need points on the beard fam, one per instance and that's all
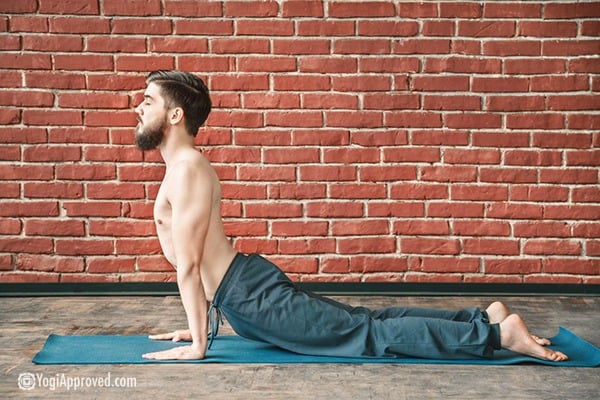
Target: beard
(150, 137)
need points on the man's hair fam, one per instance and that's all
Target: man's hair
(182, 89)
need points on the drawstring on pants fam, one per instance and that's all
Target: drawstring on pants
(215, 318)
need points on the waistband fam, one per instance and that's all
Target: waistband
(215, 316)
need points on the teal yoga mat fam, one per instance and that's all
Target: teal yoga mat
(236, 350)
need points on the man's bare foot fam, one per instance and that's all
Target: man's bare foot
(514, 336)
(498, 312)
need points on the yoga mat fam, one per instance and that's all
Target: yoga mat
(234, 349)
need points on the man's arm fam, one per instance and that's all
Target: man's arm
(190, 196)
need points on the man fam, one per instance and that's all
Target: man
(257, 299)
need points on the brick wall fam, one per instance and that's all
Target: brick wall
(357, 141)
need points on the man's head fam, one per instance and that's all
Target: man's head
(171, 94)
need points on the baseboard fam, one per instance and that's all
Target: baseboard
(326, 288)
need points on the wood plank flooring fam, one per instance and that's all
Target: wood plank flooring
(26, 322)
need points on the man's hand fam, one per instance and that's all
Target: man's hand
(176, 353)
(175, 336)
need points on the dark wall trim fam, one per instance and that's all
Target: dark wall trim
(329, 288)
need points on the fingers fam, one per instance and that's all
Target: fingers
(163, 336)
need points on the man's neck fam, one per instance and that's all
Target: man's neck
(174, 143)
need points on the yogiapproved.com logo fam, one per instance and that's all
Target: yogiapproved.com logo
(26, 381)
(29, 381)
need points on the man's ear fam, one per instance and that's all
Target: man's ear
(176, 115)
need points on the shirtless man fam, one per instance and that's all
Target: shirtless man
(190, 231)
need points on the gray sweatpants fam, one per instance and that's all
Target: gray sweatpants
(261, 303)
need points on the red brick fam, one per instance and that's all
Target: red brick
(371, 9)
(512, 266)
(420, 227)
(583, 157)
(561, 140)
(422, 191)
(241, 9)
(107, 265)
(299, 228)
(486, 28)
(548, 28)
(54, 227)
(305, 119)
(111, 191)
(192, 8)
(28, 98)
(147, 26)
(387, 28)
(144, 63)
(533, 157)
(86, 62)
(421, 46)
(24, 6)
(119, 228)
(449, 174)
(479, 192)
(580, 176)
(132, 7)
(490, 246)
(387, 173)
(515, 103)
(512, 10)
(325, 209)
(551, 247)
(438, 28)
(512, 48)
(514, 211)
(79, 25)
(541, 66)
(570, 10)
(325, 28)
(416, 10)
(26, 172)
(586, 195)
(26, 245)
(413, 119)
(267, 173)
(480, 228)
(471, 156)
(137, 246)
(357, 191)
(115, 44)
(460, 9)
(88, 7)
(285, 156)
(455, 210)
(561, 265)
(62, 43)
(327, 173)
(92, 209)
(539, 193)
(429, 246)
(53, 190)
(505, 174)
(297, 191)
(56, 80)
(48, 263)
(570, 47)
(25, 61)
(302, 9)
(376, 245)
(535, 121)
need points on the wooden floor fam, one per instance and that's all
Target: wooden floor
(26, 322)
